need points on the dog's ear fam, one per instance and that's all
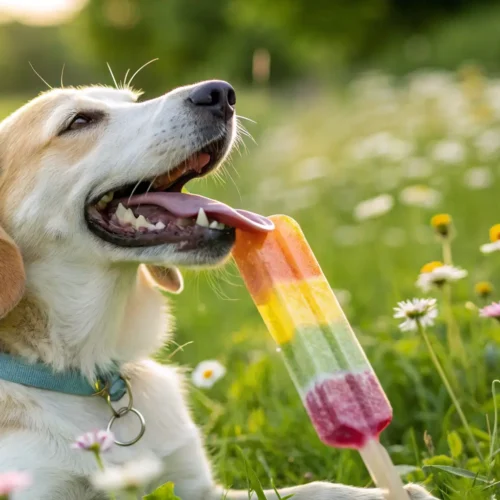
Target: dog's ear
(12, 275)
(168, 279)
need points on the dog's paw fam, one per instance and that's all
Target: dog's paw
(416, 492)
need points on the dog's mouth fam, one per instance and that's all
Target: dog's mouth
(156, 211)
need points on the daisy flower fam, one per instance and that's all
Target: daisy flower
(438, 274)
(207, 373)
(442, 224)
(374, 207)
(96, 441)
(495, 240)
(415, 311)
(449, 151)
(13, 481)
(420, 196)
(491, 311)
(129, 476)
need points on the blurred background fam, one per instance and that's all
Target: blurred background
(362, 120)
(249, 42)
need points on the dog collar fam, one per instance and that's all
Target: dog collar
(16, 369)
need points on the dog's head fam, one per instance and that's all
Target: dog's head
(93, 174)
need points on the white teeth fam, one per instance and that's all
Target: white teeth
(141, 222)
(160, 225)
(129, 217)
(120, 212)
(217, 225)
(202, 219)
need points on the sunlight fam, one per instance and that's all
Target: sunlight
(39, 12)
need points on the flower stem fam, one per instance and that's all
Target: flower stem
(450, 390)
(446, 244)
(453, 337)
(98, 459)
(100, 464)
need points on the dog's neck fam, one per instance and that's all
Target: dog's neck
(85, 316)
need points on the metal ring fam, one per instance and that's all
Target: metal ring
(122, 411)
(119, 413)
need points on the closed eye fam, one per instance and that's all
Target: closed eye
(82, 120)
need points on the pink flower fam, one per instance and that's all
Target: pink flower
(13, 481)
(491, 311)
(95, 441)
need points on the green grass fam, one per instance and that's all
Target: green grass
(255, 407)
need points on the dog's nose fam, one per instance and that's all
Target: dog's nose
(217, 96)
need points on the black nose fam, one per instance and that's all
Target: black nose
(217, 96)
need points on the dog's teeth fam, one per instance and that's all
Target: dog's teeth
(105, 200)
(108, 197)
(221, 226)
(141, 222)
(120, 212)
(129, 217)
(214, 225)
(160, 226)
(202, 219)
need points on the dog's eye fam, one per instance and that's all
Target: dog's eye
(79, 121)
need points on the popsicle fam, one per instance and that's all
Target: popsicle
(335, 380)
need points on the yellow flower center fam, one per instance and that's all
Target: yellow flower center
(483, 288)
(430, 266)
(208, 374)
(495, 233)
(441, 220)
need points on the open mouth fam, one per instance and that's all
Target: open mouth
(155, 211)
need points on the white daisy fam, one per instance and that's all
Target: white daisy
(415, 311)
(449, 151)
(478, 178)
(420, 196)
(437, 274)
(374, 207)
(131, 475)
(490, 247)
(207, 373)
(494, 246)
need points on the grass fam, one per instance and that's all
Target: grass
(318, 155)
(312, 161)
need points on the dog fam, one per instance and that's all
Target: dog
(93, 224)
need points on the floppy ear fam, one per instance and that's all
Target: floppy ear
(168, 279)
(12, 276)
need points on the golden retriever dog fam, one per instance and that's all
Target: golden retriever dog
(93, 222)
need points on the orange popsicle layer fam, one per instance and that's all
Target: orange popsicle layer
(266, 262)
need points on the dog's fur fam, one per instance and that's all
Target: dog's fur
(74, 301)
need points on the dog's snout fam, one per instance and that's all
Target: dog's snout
(217, 96)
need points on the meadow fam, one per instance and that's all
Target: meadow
(363, 168)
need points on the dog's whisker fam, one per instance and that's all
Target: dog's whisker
(40, 76)
(125, 78)
(241, 117)
(139, 70)
(112, 75)
(62, 75)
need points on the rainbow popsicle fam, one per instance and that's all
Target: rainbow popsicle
(335, 380)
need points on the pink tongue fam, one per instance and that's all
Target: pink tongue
(188, 205)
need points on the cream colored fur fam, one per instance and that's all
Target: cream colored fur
(87, 303)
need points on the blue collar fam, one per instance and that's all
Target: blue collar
(16, 369)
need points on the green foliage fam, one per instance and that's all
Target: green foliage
(165, 492)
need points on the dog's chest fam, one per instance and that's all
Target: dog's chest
(58, 419)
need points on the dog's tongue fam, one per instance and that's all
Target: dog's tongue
(188, 205)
